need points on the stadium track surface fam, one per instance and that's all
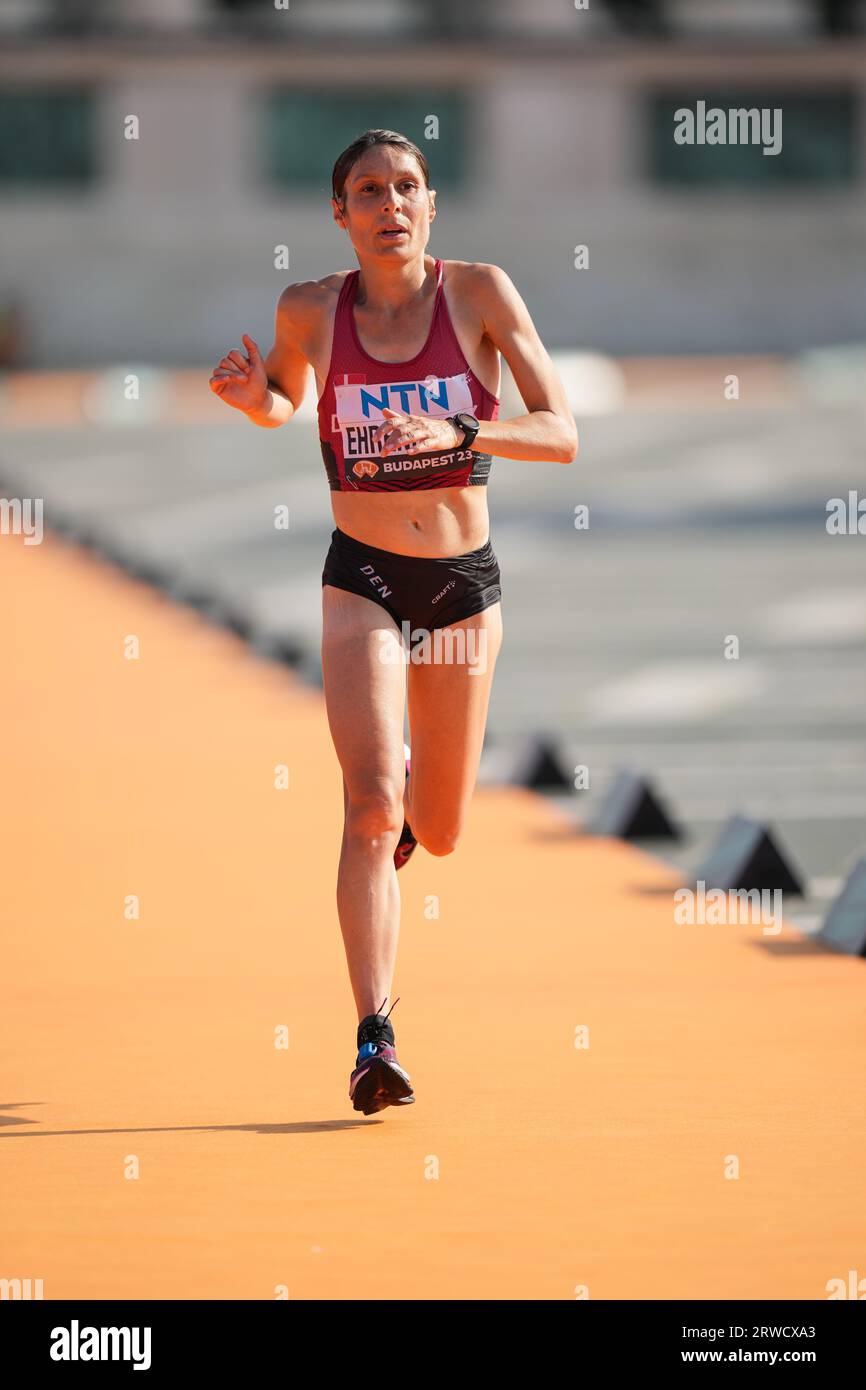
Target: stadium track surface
(557, 1167)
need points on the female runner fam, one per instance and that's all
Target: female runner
(405, 352)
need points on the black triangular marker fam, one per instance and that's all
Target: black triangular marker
(746, 856)
(845, 925)
(630, 810)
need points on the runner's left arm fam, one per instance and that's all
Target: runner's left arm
(548, 430)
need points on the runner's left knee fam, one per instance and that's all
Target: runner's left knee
(436, 840)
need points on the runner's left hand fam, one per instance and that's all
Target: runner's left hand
(415, 433)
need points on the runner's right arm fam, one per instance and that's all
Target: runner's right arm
(268, 392)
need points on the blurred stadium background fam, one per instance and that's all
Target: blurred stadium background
(707, 515)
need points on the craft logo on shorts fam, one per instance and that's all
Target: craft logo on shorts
(359, 406)
(452, 584)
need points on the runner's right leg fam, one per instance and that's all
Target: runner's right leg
(365, 700)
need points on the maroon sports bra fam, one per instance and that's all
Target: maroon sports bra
(438, 381)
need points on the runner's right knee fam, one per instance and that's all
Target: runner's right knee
(376, 814)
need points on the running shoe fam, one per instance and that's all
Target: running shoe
(407, 843)
(378, 1079)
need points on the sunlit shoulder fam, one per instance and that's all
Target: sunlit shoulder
(479, 278)
(491, 291)
(304, 299)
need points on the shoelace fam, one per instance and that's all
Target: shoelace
(378, 1036)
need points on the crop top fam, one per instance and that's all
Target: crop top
(438, 381)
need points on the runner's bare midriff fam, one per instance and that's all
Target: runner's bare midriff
(439, 521)
(426, 522)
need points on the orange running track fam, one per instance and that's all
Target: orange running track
(527, 1169)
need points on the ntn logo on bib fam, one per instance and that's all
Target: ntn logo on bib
(359, 405)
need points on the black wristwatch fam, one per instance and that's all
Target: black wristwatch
(468, 424)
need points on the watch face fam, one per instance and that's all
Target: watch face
(468, 421)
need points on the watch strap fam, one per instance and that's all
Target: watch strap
(469, 432)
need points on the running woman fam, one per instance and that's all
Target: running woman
(405, 351)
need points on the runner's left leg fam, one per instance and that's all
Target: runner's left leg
(448, 700)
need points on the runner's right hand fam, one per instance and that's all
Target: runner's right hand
(239, 379)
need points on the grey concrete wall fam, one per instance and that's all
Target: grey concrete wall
(171, 255)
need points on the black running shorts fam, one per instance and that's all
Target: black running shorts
(424, 592)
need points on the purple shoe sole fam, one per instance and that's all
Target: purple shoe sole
(407, 844)
(378, 1083)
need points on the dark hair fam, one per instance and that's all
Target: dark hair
(352, 153)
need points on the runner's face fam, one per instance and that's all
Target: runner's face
(385, 189)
